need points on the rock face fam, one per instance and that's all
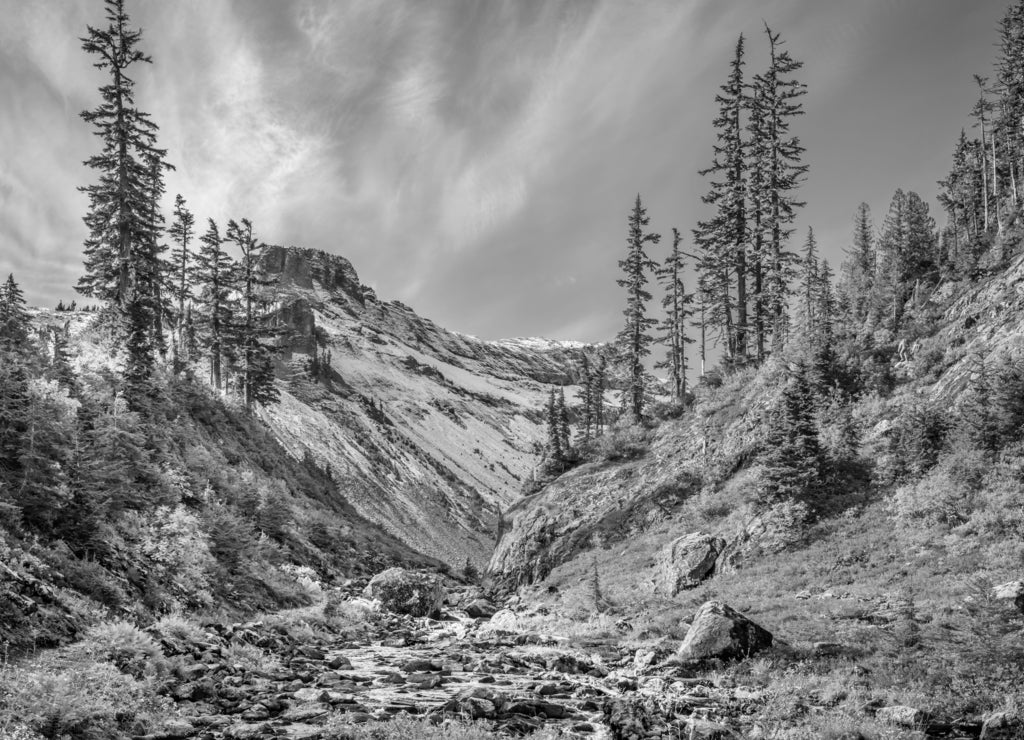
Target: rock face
(686, 561)
(404, 592)
(719, 631)
(428, 432)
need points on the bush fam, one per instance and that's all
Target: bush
(623, 443)
(250, 658)
(77, 700)
(126, 646)
(92, 579)
(179, 629)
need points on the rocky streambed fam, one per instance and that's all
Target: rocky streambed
(457, 666)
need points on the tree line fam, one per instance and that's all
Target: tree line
(214, 307)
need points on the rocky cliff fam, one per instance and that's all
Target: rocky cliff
(429, 432)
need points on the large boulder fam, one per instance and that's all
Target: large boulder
(719, 631)
(404, 592)
(686, 561)
(1011, 593)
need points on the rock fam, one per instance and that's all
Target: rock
(901, 715)
(420, 665)
(504, 620)
(405, 592)
(339, 663)
(245, 731)
(1002, 726)
(702, 729)
(643, 659)
(480, 609)
(719, 631)
(823, 649)
(686, 561)
(256, 713)
(1012, 593)
(173, 729)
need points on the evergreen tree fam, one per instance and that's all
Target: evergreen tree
(676, 303)
(215, 278)
(563, 431)
(791, 458)
(775, 102)
(859, 266)
(586, 400)
(634, 340)
(121, 253)
(809, 289)
(979, 416)
(182, 231)
(14, 318)
(723, 240)
(597, 395)
(554, 448)
(252, 327)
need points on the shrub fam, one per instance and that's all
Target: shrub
(403, 727)
(623, 443)
(171, 537)
(77, 700)
(93, 580)
(179, 629)
(250, 658)
(126, 646)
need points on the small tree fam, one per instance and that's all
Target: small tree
(791, 458)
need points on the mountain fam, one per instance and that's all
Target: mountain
(429, 432)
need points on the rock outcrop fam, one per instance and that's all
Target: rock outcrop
(686, 561)
(719, 631)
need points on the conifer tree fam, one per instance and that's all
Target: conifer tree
(215, 278)
(564, 432)
(676, 303)
(723, 240)
(979, 417)
(859, 266)
(182, 231)
(121, 251)
(253, 323)
(554, 449)
(586, 399)
(14, 318)
(775, 102)
(791, 458)
(809, 288)
(634, 340)
(597, 395)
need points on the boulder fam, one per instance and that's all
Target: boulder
(686, 561)
(1002, 726)
(1011, 593)
(480, 609)
(719, 631)
(404, 592)
(901, 715)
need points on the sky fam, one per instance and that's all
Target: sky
(476, 160)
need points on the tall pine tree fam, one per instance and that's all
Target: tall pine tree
(723, 240)
(121, 251)
(215, 279)
(634, 340)
(252, 327)
(676, 303)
